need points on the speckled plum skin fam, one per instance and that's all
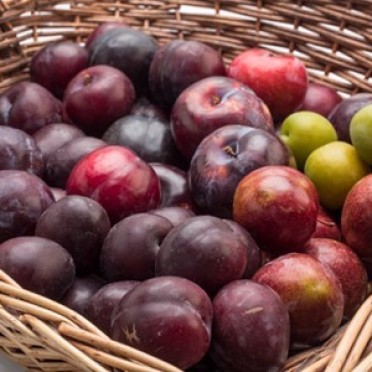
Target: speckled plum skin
(278, 205)
(250, 328)
(168, 317)
(347, 266)
(356, 219)
(223, 158)
(211, 103)
(118, 179)
(202, 242)
(311, 292)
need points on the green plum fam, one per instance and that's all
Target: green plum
(334, 168)
(361, 133)
(305, 131)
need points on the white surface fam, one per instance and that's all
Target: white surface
(8, 366)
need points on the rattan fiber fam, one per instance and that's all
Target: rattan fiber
(333, 38)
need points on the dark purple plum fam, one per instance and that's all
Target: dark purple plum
(130, 248)
(55, 64)
(59, 164)
(80, 225)
(96, 97)
(102, 29)
(178, 64)
(151, 139)
(206, 250)
(212, 103)
(19, 151)
(38, 264)
(29, 106)
(101, 305)
(129, 50)
(23, 198)
(144, 107)
(53, 136)
(175, 191)
(250, 328)
(168, 317)
(175, 215)
(81, 291)
(224, 157)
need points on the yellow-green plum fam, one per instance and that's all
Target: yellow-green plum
(361, 133)
(334, 168)
(304, 132)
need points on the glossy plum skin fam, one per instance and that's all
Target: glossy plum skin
(175, 215)
(326, 226)
(250, 328)
(342, 114)
(130, 248)
(53, 136)
(223, 158)
(205, 242)
(80, 225)
(96, 97)
(102, 29)
(19, 151)
(175, 190)
(101, 305)
(130, 51)
(81, 291)
(348, 268)
(54, 65)
(38, 264)
(168, 317)
(23, 198)
(151, 139)
(280, 197)
(29, 106)
(61, 162)
(311, 292)
(177, 65)
(212, 103)
(144, 107)
(117, 179)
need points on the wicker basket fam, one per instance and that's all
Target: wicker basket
(333, 38)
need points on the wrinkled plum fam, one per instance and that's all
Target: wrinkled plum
(80, 225)
(131, 246)
(38, 264)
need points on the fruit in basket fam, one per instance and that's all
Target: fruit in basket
(168, 317)
(311, 292)
(29, 106)
(334, 168)
(206, 250)
(144, 107)
(224, 157)
(61, 162)
(280, 80)
(131, 246)
(278, 205)
(118, 179)
(320, 98)
(178, 64)
(250, 328)
(212, 103)
(101, 29)
(38, 264)
(175, 215)
(348, 268)
(304, 132)
(55, 64)
(80, 225)
(342, 114)
(81, 291)
(326, 226)
(18, 150)
(96, 97)
(101, 305)
(360, 133)
(23, 198)
(58, 193)
(151, 139)
(356, 219)
(130, 51)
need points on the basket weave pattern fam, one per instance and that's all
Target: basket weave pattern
(333, 38)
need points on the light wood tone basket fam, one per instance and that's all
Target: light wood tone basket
(333, 38)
